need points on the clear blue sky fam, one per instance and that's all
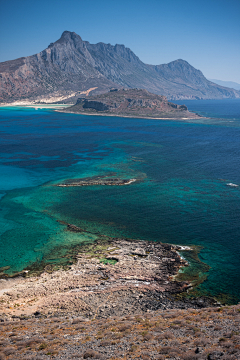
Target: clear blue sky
(206, 33)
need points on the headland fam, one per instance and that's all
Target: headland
(132, 103)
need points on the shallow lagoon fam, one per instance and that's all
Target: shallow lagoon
(181, 198)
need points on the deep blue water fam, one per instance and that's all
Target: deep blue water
(182, 197)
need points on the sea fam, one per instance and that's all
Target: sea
(187, 190)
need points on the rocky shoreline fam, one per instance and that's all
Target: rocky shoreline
(120, 300)
(111, 277)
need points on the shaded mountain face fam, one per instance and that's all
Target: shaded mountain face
(71, 67)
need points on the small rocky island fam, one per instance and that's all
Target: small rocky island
(98, 180)
(137, 103)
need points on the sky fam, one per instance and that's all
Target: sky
(206, 33)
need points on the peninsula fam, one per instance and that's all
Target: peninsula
(136, 103)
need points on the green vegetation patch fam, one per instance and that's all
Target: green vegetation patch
(106, 261)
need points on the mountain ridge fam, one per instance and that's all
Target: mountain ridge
(71, 66)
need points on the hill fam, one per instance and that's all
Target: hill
(136, 103)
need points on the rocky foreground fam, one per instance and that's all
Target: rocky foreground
(136, 103)
(118, 301)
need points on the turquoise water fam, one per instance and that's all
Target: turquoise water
(181, 196)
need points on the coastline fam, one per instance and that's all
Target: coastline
(60, 107)
(36, 106)
(135, 117)
(127, 274)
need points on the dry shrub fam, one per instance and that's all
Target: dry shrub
(147, 337)
(168, 335)
(201, 342)
(190, 355)
(160, 337)
(197, 333)
(236, 338)
(173, 326)
(227, 344)
(232, 312)
(51, 352)
(124, 327)
(199, 318)
(80, 328)
(175, 354)
(166, 349)
(170, 316)
(55, 320)
(91, 354)
(215, 355)
(158, 329)
(77, 321)
(133, 348)
(18, 338)
(174, 343)
(4, 343)
(42, 346)
(105, 343)
(2, 356)
(9, 351)
(145, 357)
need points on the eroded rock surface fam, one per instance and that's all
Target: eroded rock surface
(110, 277)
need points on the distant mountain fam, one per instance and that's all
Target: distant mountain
(230, 84)
(71, 67)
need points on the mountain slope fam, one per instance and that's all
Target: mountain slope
(71, 66)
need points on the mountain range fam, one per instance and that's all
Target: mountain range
(231, 84)
(71, 67)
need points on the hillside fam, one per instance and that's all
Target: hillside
(71, 66)
(131, 103)
(120, 300)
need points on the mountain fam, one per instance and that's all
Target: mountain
(71, 67)
(230, 84)
(138, 103)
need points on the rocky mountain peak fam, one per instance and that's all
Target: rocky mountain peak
(71, 65)
(69, 37)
